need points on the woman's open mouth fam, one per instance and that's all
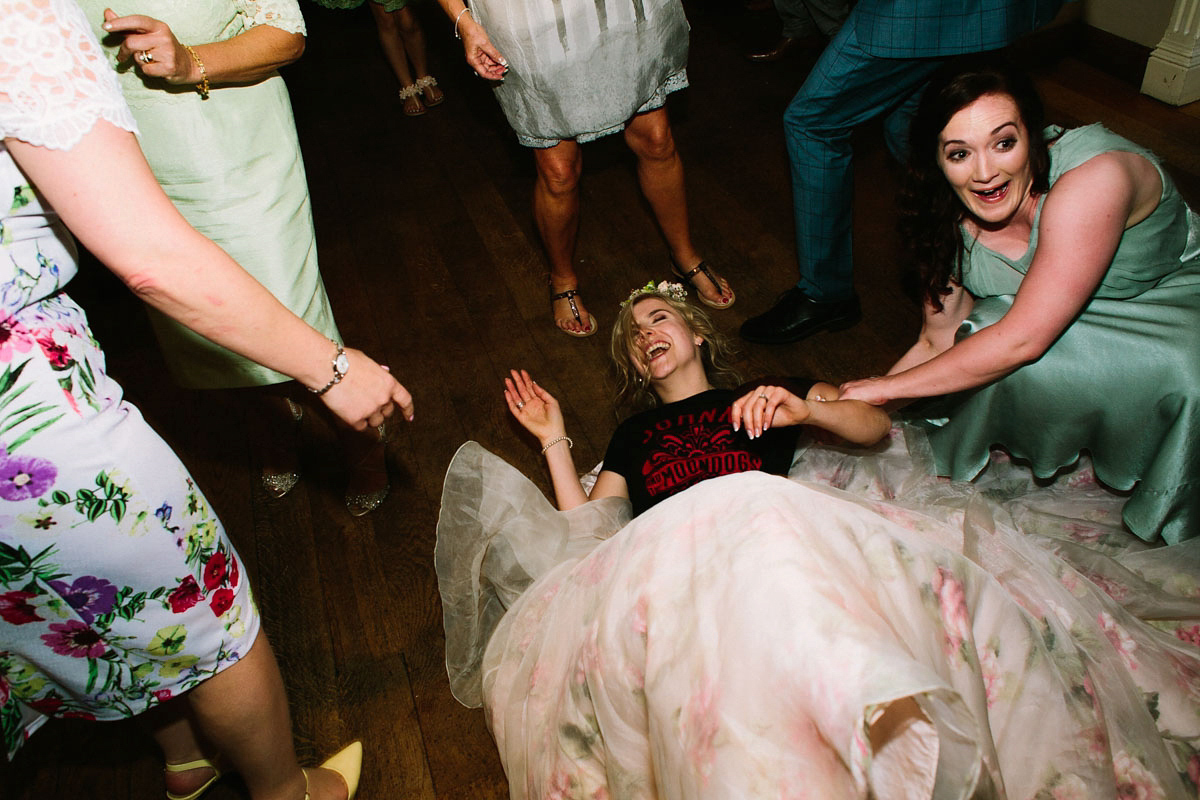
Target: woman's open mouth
(993, 195)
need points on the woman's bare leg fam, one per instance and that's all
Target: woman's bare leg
(243, 711)
(388, 26)
(174, 728)
(660, 173)
(414, 45)
(556, 211)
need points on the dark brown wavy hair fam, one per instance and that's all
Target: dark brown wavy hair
(930, 211)
(633, 390)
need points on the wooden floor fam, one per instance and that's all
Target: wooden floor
(433, 266)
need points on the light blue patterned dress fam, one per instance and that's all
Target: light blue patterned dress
(118, 586)
(579, 69)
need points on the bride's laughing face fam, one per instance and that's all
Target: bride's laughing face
(662, 340)
(984, 153)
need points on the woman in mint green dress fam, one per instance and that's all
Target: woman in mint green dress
(216, 126)
(1062, 311)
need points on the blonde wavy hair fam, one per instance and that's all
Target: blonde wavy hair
(633, 390)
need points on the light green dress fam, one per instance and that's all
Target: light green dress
(232, 166)
(1122, 382)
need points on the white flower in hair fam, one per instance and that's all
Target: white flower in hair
(675, 291)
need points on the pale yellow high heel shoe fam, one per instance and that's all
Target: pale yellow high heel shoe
(191, 765)
(347, 763)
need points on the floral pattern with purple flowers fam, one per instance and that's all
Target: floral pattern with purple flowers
(24, 477)
(128, 647)
(118, 587)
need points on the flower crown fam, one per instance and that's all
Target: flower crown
(675, 291)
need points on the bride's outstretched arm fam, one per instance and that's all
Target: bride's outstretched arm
(539, 413)
(765, 407)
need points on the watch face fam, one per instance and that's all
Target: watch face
(341, 364)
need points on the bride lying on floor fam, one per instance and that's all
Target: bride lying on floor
(855, 629)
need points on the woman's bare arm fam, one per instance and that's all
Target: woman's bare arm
(105, 193)
(250, 56)
(765, 407)
(1082, 221)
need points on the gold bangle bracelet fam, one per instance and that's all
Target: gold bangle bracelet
(202, 86)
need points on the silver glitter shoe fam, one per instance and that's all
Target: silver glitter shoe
(279, 484)
(362, 503)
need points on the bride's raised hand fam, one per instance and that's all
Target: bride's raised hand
(534, 407)
(764, 407)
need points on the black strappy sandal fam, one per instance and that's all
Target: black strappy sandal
(569, 296)
(689, 278)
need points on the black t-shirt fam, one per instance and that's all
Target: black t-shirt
(665, 450)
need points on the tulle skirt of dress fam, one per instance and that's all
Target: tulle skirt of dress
(857, 630)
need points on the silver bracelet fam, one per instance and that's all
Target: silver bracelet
(341, 365)
(552, 442)
(456, 19)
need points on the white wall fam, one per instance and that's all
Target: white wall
(1141, 21)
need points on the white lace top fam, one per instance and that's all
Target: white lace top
(282, 14)
(54, 84)
(55, 81)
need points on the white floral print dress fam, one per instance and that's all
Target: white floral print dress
(118, 586)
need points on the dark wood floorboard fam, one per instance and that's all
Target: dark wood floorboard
(433, 265)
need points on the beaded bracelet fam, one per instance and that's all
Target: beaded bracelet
(202, 86)
(456, 19)
(552, 442)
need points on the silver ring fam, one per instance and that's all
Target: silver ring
(763, 396)
(145, 56)
(520, 405)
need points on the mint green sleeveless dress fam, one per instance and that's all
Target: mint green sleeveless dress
(233, 168)
(1122, 382)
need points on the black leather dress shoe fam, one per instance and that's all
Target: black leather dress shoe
(775, 53)
(795, 316)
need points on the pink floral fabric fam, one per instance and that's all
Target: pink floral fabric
(859, 630)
